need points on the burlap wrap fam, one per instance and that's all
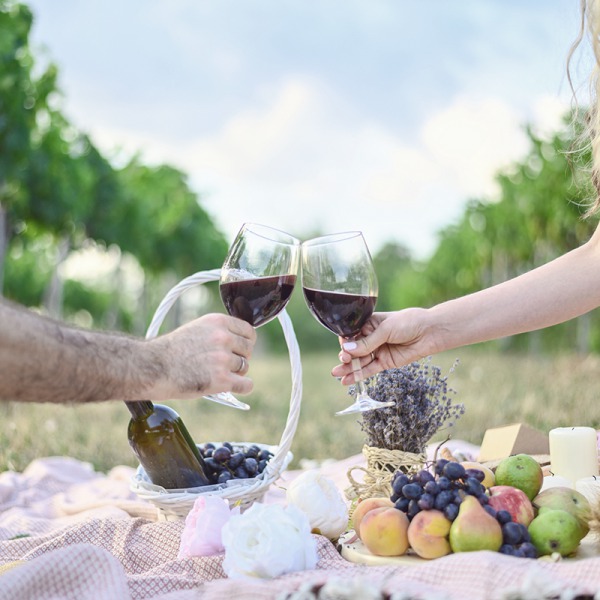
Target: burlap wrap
(382, 465)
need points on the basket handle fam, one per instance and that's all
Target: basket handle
(292, 343)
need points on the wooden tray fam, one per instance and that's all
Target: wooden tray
(356, 552)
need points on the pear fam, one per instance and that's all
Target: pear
(555, 530)
(570, 500)
(474, 528)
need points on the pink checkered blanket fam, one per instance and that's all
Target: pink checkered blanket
(69, 532)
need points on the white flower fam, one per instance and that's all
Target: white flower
(267, 541)
(319, 498)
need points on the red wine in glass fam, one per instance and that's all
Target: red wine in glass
(257, 301)
(340, 289)
(343, 314)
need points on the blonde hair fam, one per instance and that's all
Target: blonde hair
(590, 25)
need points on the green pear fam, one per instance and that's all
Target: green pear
(474, 528)
(569, 500)
(555, 530)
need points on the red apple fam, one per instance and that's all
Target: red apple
(516, 502)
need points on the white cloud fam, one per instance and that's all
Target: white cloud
(300, 163)
(471, 140)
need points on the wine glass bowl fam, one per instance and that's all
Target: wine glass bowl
(259, 273)
(340, 288)
(257, 280)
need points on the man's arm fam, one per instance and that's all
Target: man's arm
(42, 360)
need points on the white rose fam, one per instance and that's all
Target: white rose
(267, 541)
(318, 497)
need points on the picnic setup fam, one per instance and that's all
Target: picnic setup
(515, 517)
(299, 301)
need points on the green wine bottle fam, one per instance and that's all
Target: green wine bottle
(164, 446)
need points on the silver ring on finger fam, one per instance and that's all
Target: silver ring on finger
(373, 357)
(243, 365)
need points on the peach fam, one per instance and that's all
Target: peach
(364, 506)
(384, 530)
(428, 534)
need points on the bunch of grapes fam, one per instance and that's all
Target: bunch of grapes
(227, 461)
(444, 490)
(515, 536)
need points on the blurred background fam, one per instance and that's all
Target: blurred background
(136, 138)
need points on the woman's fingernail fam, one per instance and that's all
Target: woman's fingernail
(349, 345)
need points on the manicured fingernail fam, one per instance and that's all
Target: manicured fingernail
(349, 345)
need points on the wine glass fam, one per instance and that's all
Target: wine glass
(257, 280)
(340, 289)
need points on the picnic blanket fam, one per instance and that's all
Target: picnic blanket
(67, 531)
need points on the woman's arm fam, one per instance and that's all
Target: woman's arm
(560, 290)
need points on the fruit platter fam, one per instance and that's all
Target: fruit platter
(450, 506)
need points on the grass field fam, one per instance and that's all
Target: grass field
(497, 389)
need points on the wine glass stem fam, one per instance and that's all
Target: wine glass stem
(358, 378)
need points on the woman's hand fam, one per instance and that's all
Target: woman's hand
(389, 340)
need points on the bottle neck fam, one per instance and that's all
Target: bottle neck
(140, 409)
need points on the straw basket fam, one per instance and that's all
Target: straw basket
(175, 504)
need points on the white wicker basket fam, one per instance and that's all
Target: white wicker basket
(175, 504)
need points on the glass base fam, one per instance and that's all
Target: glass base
(228, 399)
(363, 404)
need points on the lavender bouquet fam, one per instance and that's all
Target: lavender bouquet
(423, 407)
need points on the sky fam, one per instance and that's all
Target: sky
(384, 116)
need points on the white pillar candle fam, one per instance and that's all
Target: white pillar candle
(573, 452)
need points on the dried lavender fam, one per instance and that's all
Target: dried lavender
(423, 407)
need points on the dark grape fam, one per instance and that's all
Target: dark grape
(431, 487)
(212, 465)
(424, 476)
(251, 466)
(413, 509)
(473, 487)
(439, 465)
(224, 476)
(503, 516)
(241, 473)
(262, 464)
(444, 483)
(525, 537)
(453, 471)
(237, 458)
(400, 480)
(451, 512)
(512, 533)
(264, 455)
(483, 499)
(476, 473)
(228, 445)
(426, 501)
(402, 504)
(529, 550)
(252, 452)
(444, 498)
(412, 491)
(507, 549)
(222, 454)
